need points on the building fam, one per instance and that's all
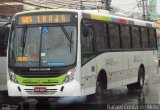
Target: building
(10, 7)
(157, 24)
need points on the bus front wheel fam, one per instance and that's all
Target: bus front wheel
(99, 91)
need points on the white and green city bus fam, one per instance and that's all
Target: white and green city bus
(78, 52)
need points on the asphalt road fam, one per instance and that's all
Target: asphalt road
(119, 98)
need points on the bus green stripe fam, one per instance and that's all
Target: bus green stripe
(97, 67)
(41, 81)
(106, 18)
(99, 17)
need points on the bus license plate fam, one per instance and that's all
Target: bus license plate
(40, 89)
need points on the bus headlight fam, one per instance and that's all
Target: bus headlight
(12, 76)
(70, 75)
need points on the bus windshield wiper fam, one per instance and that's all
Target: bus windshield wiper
(67, 35)
(71, 41)
(23, 39)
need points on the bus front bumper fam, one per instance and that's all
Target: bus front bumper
(68, 89)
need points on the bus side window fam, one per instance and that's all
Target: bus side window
(114, 36)
(144, 35)
(152, 38)
(136, 37)
(125, 33)
(101, 36)
(87, 49)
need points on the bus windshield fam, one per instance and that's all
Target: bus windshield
(43, 46)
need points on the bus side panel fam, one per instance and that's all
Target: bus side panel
(146, 62)
(128, 64)
(3, 79)
(113, 68)
(153, 63)
(88, 75)
(111, 63)
(131, 63)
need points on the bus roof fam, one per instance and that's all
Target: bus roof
(102, 15)
(106, 16)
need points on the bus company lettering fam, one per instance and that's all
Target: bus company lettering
(111, 61)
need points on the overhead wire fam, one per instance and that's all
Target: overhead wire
(127, 8)
(66, 3)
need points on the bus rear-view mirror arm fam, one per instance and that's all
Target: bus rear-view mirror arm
(6, 24)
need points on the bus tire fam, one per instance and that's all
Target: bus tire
(141, 78)
(131, 87)
(99, 95)
(99, 91)
(140, 83)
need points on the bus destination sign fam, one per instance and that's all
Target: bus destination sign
(43, 19)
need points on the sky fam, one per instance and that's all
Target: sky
(158, 6)
(125, 5)
(130, 5)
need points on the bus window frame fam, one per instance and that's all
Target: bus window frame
(139, 48)
(120, 43)
(144, 48)
(152, 48)
(105, 34)
(130, 37)
(93, 40)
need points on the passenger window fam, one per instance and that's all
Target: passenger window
(136, 38)
(144, 36)
(101, 36)
(114, 36)
(152, 37)
(125, 34)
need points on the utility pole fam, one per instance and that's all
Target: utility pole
(144, 9)
(107, 4)
(81, 5)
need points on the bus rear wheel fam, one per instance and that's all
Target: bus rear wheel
(140, 83)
